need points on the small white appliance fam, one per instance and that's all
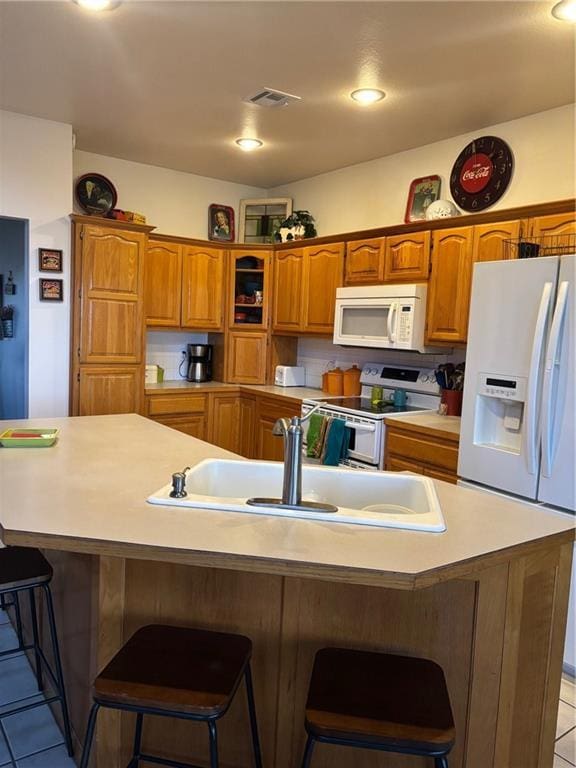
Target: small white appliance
(290, 376)
(365, 420)
(519, 402)
(382, 316)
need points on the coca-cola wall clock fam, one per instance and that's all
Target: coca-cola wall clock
(481, 173)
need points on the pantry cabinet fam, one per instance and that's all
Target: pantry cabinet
(305, 283)
(449, 287)
(103, 389)
(365, 262)
(407, 258)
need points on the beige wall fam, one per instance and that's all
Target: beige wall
(175, 203)
(374, 194)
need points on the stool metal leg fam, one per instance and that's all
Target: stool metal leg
(441, 762)
(58, 665)
(307, 759)
(253, 720)
(36, 640)
(137, 742)
(213, 743)
(19, 631)
(89, 735)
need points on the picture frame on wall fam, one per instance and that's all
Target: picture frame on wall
(49, 260)
(422, 193)
(221, 222)
(51, 290)
(260, 219)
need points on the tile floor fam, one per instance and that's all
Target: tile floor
(33, 740)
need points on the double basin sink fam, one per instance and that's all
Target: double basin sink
(381, 499)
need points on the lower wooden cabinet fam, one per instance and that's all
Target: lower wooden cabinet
(108, 389)
(247, 413)
(195, 426)
(185, 412)
(413, 448)
(268, 446)
(224, 422)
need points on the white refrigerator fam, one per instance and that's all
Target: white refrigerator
(518, 430)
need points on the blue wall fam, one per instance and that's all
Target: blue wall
(14, 351)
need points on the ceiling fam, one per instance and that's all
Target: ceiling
(163, 82)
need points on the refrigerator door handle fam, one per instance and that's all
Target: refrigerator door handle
(550, 368)
(531, 432)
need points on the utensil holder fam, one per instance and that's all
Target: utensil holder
(452, 398)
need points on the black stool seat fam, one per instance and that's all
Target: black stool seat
(176, 668)
(23, 567)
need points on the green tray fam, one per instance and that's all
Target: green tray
(28, 438)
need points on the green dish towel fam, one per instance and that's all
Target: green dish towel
(314, 435)
(336, 442)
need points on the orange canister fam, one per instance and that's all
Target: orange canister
(351, 382)
(335, 381)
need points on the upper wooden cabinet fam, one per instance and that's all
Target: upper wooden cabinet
(111, 291)
(364, 261)
(246, 357)
(163, 284)
(489, 243)
(557, 227)
(407, 258)
(250, 289)
(449, 288)
(305, 282)
(203, 271)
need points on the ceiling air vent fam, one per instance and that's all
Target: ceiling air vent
(268, 97)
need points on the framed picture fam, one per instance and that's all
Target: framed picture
(259, 220)
(221, 222)
(422, 192)
(96, 194)
(49, 260)
(51, 290)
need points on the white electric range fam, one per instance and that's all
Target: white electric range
(365, 420)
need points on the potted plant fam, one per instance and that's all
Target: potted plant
(298, 225)
(7, 318)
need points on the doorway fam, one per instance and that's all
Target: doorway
(13, 318)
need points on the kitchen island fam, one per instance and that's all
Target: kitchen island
(487, 599)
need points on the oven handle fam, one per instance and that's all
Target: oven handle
(362, 427)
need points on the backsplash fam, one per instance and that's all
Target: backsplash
(164, 348)
(319, 355)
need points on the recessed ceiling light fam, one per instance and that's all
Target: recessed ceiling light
(367, 95)
(249, 144)
(565, 10)
(98, 5)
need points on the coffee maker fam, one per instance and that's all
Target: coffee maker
(199, 362)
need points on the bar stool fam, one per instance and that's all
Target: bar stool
(178, 672)
(379, 701)
(24, 570)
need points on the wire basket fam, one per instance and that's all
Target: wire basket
(543, 245)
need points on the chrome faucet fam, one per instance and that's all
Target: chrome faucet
(292, 432)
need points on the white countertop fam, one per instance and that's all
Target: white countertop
(87, 493)
(181, 385)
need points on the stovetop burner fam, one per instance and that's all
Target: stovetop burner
(365, 405)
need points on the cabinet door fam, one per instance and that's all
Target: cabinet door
(490, 240)
(449, 288)
(224, 421)
(109, 389)
(246, 357)
(438, 474)
(557, 230)
(249, 279)
(394, 464)
(246, 432)
(163, 284)
(288, 290)
(269, 447)
(364, 262)
(323, 273)
(407, 257)
(195, 426)
(112, 287)
(203, 271)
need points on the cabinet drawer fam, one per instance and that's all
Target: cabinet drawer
(416, 449)
(167, 404)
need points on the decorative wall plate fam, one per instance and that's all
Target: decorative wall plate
(481, 173)
(95, 194)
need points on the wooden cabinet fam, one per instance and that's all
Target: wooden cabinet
(107, 361)
(364, 262)
(558, 229)
(163, 284)
(250, 280)
(270, 447)
(407, 257)
(305, 282)
(414, 448)
(186, 412)
(203, 272)
(224, 421)
(246, 357)
(449, 287)
(246, 432)
(489, 240)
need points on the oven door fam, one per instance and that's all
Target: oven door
(366, 439)
(366, 322)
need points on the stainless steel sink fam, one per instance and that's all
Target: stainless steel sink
(382, 499)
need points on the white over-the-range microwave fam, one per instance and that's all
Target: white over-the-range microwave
(382, 316)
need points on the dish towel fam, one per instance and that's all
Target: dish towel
(336, 442)
(315, 436)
